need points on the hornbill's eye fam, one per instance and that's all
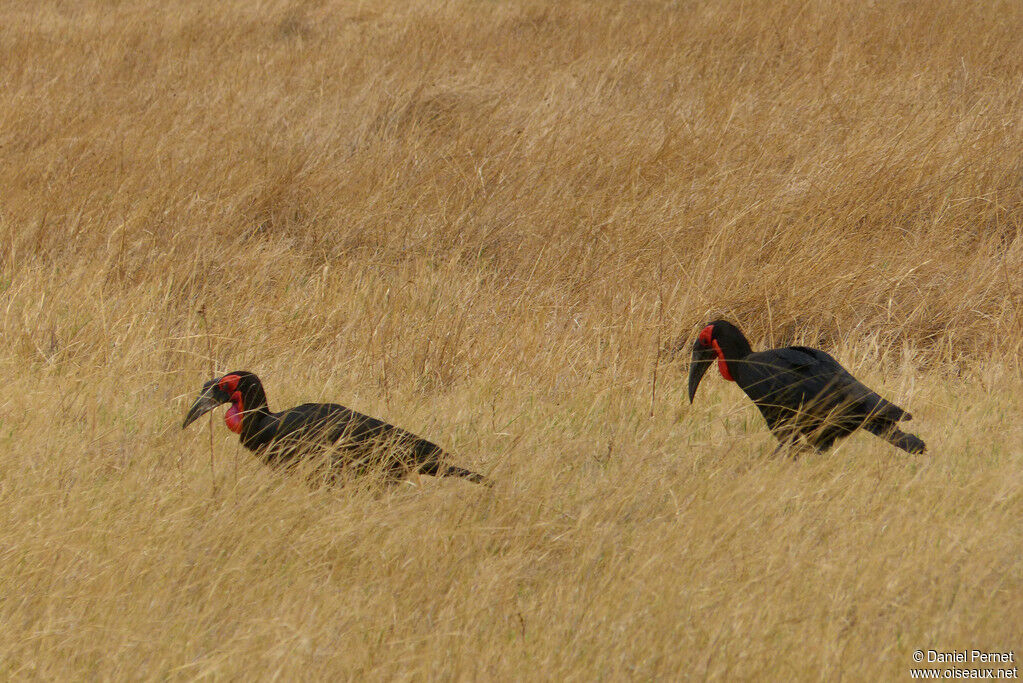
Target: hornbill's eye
(229, 383)
(707, 335)
(211, 396)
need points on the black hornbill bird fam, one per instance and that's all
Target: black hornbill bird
(343, 435)
(800, 391)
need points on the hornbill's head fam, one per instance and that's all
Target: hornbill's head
(241, 389)
(708, 347)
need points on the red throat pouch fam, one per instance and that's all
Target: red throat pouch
(233, 417)
(722, 365)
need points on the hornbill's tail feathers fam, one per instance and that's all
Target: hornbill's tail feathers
(910, 443)
(433, 461)
(878, 407)
(455, 471)
(436, 468)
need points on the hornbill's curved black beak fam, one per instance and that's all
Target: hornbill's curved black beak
(210, 397)
(698, 365)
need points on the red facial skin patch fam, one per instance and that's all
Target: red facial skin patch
(228, 383)
(707, 335)
(234, 414)
(707, 339)
(233, 417)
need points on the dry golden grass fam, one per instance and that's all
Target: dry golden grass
(484, 221)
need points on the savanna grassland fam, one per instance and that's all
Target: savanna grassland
(494, 223)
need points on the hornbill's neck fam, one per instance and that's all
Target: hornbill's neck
(253, 413)
(249, 410)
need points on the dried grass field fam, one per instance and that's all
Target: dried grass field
(493, 223)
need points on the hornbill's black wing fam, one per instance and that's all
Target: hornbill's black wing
(808, 380)
(330, 424)
(849, 391)
(839, 404)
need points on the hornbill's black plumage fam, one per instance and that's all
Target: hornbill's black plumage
(800, 391)
(348, 438)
